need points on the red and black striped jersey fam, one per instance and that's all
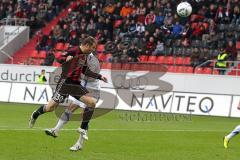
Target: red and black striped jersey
(73, 68)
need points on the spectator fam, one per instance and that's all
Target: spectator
(236, 15)
(232, 51)
(126, 10)
(159, 48)
(49, 58)
(109, 8)
(150, 18)
(177, 30)
(42, 78)
(65, 34)
(141, 11)
(140, 28)
(150, 46)
(74, 41)
(221, 63)
(195, 57)
(185, 42)
(124, 56)
(159, 19)
(91, 28)
(168, 20)
(132, 28)
(133, 54)
(57, 32)
(211, 13)
(117, 10)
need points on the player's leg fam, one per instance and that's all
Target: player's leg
(87, 115)
(52, 104)
(62, 121)
(41, 110)
(231, 135)
(88, 111)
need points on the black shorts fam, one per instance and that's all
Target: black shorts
(66, 87)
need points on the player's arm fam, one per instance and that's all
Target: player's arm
(92, 74)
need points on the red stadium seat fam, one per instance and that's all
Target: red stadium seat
(180, 69)
(58, 54)
(171, 69)
(59, 46)
(198, 70)
(179, 60)
(126, 66)
(169, 60)
(216, 72)
(101, 57)
(207, 71)
(187, 61)
(106, 65)
(56, 64)
(232, 73)
(66, 46)
(34, 54)
(140, 67)
(160, 59)
(42, 54)
(189, 70)
(238, 45)
(143, 58)
(155, 68)
(152, 59)
(116, 66)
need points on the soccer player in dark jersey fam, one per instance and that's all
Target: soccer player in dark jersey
(69, 83)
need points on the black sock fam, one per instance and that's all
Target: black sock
(87, 115)
(38, 112)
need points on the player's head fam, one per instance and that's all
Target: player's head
(89, 45)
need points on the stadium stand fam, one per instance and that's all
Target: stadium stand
(136, 31)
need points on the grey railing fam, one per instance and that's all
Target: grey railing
(232, 66)
(14, 21)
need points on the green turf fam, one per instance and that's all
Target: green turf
(118, 135)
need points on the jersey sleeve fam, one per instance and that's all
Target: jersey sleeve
(89, 73)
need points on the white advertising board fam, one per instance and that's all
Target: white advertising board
(5, 91)
(201, 104)
(235, 112)
(30, 93)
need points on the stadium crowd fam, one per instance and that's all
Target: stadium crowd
(130, 28)
(38, 12)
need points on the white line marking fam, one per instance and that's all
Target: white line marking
(115, 130)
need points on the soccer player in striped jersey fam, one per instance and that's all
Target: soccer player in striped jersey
(69, 83)
(94, 90)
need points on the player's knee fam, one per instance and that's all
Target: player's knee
(50, 107)
(92, 104)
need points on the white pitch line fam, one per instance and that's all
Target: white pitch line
(114, 130)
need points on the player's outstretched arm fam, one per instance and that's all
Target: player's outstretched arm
(92, 74)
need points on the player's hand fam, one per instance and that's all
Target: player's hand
(104, 79)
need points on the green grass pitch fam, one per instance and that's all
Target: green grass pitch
(118, 135)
